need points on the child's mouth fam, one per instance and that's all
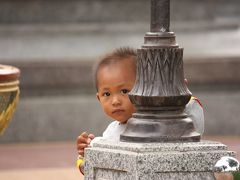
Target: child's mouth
(118, 111)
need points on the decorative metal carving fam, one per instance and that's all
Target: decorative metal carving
(160, 93)
(160, 75)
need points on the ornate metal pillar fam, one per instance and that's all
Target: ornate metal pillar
(160, 93)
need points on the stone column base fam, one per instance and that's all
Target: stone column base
(108, 160)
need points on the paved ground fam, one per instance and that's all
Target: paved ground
(42, 174)
(56, 160)
(38, 161)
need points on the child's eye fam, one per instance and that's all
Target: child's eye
(106, 94)
(124, 91)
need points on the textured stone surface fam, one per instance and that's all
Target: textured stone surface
(162, 147)
(110, 160)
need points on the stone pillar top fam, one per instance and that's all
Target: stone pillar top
(203, 145)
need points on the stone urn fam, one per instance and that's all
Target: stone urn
(9, 94)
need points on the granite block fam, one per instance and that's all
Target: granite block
(108, 160)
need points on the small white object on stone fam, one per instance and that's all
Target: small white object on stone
(227, 164)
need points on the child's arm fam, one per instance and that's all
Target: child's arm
(83, 141)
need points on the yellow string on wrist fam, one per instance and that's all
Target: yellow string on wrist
(79, 162)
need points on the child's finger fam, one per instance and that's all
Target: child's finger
(82, 139)
(84, 134)
(91, 136)
(81, 146)
(81, 152)
(89, 140)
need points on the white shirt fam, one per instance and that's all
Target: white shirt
(112, 132)
(195, 111)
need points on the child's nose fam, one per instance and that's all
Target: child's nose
(116, 100)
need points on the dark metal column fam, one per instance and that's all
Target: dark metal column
(160, 93)
(160, 15)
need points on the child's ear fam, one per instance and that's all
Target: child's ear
(97, 96)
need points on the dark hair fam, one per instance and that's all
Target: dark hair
(116, 56)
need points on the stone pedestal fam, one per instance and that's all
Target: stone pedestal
(108, 160)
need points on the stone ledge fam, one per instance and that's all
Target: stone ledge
(115, 27)
(203, 145)
(60, 76)
(213, 70)
(33, 43)
(70, 75)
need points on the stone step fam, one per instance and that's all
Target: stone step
(41, 11)
(71, 42)
(53, 30)
(73, 77)
(58, 118)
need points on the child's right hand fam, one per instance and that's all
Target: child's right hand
(83, 141)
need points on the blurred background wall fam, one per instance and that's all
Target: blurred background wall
(56, 42)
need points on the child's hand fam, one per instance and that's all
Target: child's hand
(83, 141)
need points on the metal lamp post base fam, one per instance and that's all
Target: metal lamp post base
(163, 127)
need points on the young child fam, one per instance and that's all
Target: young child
(114, 78)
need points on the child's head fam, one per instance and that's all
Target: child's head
(114, 77)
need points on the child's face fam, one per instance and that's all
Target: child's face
(114, 83)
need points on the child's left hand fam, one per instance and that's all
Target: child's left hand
(83, 141)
